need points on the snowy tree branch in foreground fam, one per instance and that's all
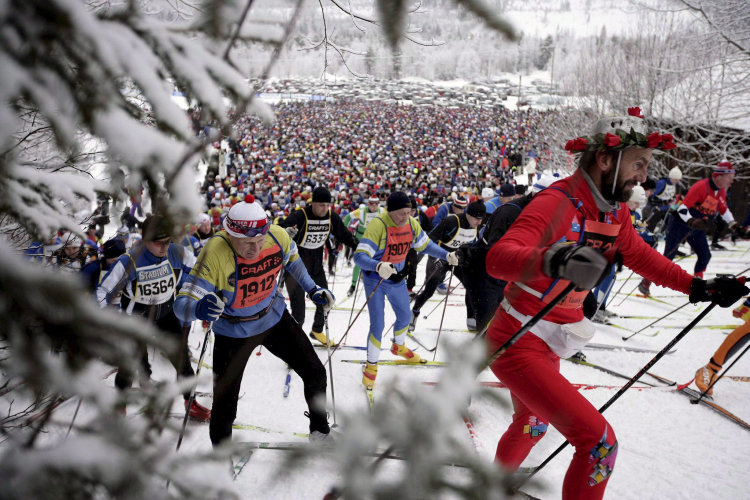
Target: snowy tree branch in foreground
(420, 424)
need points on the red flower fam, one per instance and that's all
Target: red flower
(668, 145)
(578, 144)
(635, 112)
(654, 139)
(667, 138)
(611, 140)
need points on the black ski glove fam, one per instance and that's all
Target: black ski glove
(724, 290)
(698, 224)
(580, 264)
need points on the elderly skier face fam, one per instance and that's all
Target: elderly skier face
(248, 248)
(400, 216)
(633, 169)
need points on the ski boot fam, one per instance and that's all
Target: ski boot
(321, 337)
(198, 412)
(442, 289)
(580, 356)
(413, 322)
(742, 312)
(704, 377)
(716, 246)
(350, 292)
(320, 431)
(471, 325)
(600, 317)
(369, 375)
(406, 353)
(644, 287)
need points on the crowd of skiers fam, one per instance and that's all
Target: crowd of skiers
(391, 184)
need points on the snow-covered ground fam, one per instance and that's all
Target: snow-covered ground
(668, 447)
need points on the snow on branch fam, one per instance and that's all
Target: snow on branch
(41, 201)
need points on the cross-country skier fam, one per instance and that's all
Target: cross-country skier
(562, 237)
(705, 200)
(148, 277)
(358, 221)
(664, 195)
(382, 254)
(506, 193)
(310, 227)
(241, 264)
(731, 346)
(457, 206)
(94, 271)
(486, 290)
(454, 232)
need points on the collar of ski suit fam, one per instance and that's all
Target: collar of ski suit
(601, 203)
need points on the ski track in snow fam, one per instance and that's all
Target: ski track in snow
(668, 448)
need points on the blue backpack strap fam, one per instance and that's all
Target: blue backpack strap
(577, 204)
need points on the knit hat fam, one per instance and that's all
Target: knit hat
(675, 173)
(397, 201)
(156, 227)
(460, 201)
(246, 219)
(203, 218)
(542, 183)
(488, 193)
(521, 189)
(507, 190)
(724, 167)
(638, 195)
(70, 240)
(321, 195)
(113, 248)
(373, 199)
(648, 184)
(476, 209)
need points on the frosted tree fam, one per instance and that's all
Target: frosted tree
(86, 90)
(86, 113)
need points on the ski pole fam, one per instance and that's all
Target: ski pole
(355, 320)
(528, 326)
(81, 401)
(436, 306)
(630, 383)
(654, 322)
(665, 253)
(192, 391)
(356, 291)
(623, 285)
(703, 394)
(437, 342)
(330, 369)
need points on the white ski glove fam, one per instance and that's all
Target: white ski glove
(452, 259)
(385, 270)
(291, 231)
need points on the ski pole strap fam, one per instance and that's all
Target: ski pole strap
(528, 326)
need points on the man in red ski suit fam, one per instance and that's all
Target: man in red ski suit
(539, 256)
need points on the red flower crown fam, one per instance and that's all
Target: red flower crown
(622, 139)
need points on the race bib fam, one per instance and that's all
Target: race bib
(256, 279)
(398, 243)
(463, 237)
(154, 284)
(316, 233)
